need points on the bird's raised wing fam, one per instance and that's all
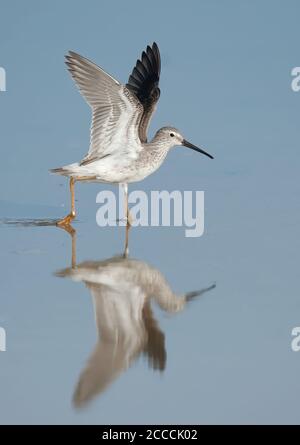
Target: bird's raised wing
(116, 112)
(143, 82)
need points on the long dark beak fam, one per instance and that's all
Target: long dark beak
(193, 147)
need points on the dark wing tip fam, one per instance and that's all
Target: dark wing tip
(71, 54)
(143, 83)
(71, 57)
(156, 51)
(144, 79)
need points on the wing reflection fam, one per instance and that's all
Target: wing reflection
(122, 290)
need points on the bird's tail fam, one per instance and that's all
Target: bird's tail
(58, 171)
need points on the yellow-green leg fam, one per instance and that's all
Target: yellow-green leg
(129, 218)
(66, 221)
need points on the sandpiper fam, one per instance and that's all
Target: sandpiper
(119, 151)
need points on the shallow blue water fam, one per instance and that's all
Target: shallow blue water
(226, 357)
(228, 354)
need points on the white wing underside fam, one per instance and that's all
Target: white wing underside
(116, 113)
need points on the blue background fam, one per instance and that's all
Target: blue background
(226, 84)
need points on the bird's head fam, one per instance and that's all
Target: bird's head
(171, 137)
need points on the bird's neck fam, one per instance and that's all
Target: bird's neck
(159, 145)
(157, 141)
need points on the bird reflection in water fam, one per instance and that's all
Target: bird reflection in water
(122, 290)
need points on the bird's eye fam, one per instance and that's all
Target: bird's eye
(172, 135)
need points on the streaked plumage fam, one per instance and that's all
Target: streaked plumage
(119, 151)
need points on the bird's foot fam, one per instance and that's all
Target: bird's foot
(66, 221)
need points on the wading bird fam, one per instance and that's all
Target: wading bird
(119, 151)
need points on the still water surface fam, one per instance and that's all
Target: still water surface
(181, 331)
